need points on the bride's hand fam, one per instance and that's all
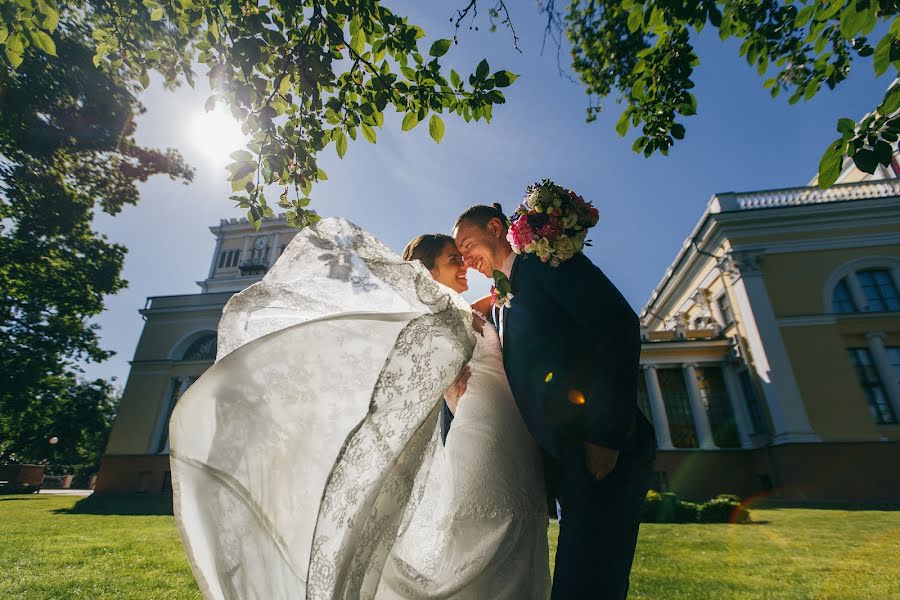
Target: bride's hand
(452, 395)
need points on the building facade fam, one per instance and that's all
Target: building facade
(772, 347)
(177, 345)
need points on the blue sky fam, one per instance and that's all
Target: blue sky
(406, 184)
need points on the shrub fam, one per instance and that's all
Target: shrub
(724, 509)
(668, 508)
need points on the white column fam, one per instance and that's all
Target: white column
(770, 358)
(245, 252)
(215, 258)
(885, 369)
(738, 405)
(856, 292)
(698, 408)
(273, 249)
(658, 409)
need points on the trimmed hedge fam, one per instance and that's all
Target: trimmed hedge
(668, 508)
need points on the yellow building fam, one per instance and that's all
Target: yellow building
(177, 345)
(770, 359)
(772, 346)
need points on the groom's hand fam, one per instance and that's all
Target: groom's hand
(600, 461)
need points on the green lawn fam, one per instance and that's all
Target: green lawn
(51, 547)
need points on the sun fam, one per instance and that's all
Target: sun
(217, 134)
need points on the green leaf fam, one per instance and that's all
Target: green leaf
(410, 121)
(804, 16)
(846, 126)
(891, 101)
(368, 133)
(51, 18)
(635, 19)
(882, 59)
(455, 79)
(504, 78)
(830, 165)
(15, 58)
(241, 156)
(242, 171)
(156, 14)
(145, 79)
(852, 20)
(321, 175)
(440, 48)
(482, 70)
(44, 42)
(341, 145)
(623, 123)
(436, 128)
(5, 34)
(358, 42)
(678, 131)
(866, 160)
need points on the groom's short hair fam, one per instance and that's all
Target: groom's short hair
(481, 215)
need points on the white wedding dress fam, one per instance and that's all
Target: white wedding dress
(306, 463)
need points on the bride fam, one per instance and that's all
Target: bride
(307, 462)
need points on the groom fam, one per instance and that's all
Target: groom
(571, 345)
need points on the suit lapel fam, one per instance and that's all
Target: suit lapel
(504, 312)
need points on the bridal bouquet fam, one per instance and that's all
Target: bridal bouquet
(552, 223)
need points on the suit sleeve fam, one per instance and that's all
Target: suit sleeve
(612, 331)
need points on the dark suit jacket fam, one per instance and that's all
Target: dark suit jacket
(571, 351)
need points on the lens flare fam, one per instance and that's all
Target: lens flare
(576, 397)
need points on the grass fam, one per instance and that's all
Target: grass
(57, 547)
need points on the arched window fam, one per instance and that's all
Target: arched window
(864, 285)
(203, 348)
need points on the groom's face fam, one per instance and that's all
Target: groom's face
(481, 246)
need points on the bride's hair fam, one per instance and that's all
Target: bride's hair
(481, 215)
(427, 248)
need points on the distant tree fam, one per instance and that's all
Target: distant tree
(300, 75)
(67, 149)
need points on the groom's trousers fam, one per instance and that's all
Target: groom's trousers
(598, 528)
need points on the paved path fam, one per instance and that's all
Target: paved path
(67, 492)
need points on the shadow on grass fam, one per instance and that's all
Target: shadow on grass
(120, 505)
(770, 504)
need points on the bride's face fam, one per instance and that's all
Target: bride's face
(450, 269)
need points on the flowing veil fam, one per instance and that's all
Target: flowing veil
(296, 458)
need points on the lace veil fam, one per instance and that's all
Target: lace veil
(294, 457)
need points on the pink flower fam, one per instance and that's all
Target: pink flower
(520, 234)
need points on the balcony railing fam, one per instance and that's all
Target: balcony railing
(881, 188)
(256, 263)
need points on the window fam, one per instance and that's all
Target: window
(678, 407)
(879, 289)
(229, 259)
(718, 407)
(202, 349)
(725, 309)
(866, 290)
(872, 386)
(893, 353)
(842, 300)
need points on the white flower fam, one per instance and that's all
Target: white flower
(504, 300)
(565, 247)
